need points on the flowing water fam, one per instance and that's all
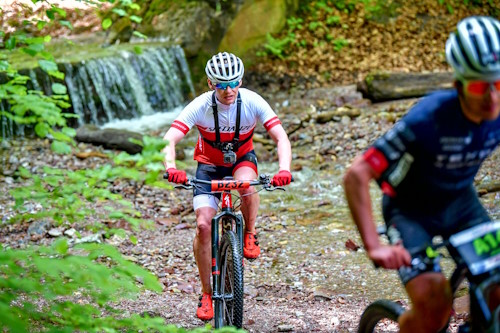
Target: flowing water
(120, 85)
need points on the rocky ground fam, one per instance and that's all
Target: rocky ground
(308, 278)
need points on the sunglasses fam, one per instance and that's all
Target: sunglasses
(224, 85)
(480, 87)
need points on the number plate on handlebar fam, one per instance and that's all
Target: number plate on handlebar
(228, 185)
(479, 246)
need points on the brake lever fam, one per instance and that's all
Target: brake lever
(278, 188)
(186, 187)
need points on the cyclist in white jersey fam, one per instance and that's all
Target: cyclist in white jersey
(225, 149)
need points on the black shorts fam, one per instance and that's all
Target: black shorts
(414, 230)
(211, 172)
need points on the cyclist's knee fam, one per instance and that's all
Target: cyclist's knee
(245, 193)
(204, 222)
(432, 299)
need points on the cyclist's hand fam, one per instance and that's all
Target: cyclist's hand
(282, 178)
(177, 176)
(390, 256)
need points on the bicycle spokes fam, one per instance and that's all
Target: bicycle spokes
(227, 288)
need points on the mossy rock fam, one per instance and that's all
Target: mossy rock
(253, 22)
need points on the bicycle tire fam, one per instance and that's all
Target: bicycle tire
(229, 309)
(376, 311)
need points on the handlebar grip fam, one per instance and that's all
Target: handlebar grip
(165, 175)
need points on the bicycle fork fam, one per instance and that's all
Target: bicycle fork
(226, 211)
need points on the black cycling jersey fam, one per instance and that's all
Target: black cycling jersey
(432, 154)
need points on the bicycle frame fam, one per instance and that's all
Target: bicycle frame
(232, 238)
(226, 215)
(480, 313)
(482, 318)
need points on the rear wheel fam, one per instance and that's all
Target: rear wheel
(380, 316)
(229, 308)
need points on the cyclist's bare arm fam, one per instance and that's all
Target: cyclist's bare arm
(356, 186)
(280, 137)
(173, 136)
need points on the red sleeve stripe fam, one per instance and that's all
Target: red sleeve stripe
(180, 126)
(388, 189)
(271, 123)
(376, 159)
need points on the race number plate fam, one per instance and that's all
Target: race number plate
(479, 246)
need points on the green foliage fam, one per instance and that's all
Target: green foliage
(275, 47)
(373, 8)
(339, 44)
(66, 195)
(294, 23)
(38, 284)
(448, 5)
(127, 9)
(73, 289)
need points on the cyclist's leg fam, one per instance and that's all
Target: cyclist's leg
(427, 287)
(246, 168)
(202, 246)
(205, 206)
(431, 300)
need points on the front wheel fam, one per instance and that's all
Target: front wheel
(376, 312)
(229, 304)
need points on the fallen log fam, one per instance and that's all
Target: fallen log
(488, 188)
(381, 87)
(109, 138)
(84, 155)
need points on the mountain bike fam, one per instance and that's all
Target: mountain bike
(227, 247)
(476, 253)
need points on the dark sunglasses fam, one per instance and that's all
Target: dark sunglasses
(224, 85)
(480, 87)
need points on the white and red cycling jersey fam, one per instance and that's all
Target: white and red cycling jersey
(199, 113)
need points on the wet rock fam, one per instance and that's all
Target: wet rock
(94, 238)
(55, 232)
(38, 228)
(285, 328)
(70, 232)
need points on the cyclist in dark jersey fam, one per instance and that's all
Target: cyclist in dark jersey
(425, 166)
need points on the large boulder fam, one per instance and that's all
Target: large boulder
(254, 21)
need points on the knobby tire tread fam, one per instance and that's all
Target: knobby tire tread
(376, 311)
(231, 248)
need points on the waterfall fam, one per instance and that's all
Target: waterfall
(124, 86)
(128, 85)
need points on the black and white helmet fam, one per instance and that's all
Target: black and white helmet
(473, 50)
(224, 67)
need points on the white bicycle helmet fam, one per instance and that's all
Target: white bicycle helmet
(473, 50)
(224, 67)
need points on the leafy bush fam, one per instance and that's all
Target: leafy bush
(39, 286)
(59, 288)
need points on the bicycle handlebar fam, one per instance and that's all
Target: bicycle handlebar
(382, 231)
(230, 184)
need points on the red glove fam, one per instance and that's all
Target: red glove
(282, 178)
(176, 176)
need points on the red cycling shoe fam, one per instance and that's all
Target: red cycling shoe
(205, 310)
(251, 249)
